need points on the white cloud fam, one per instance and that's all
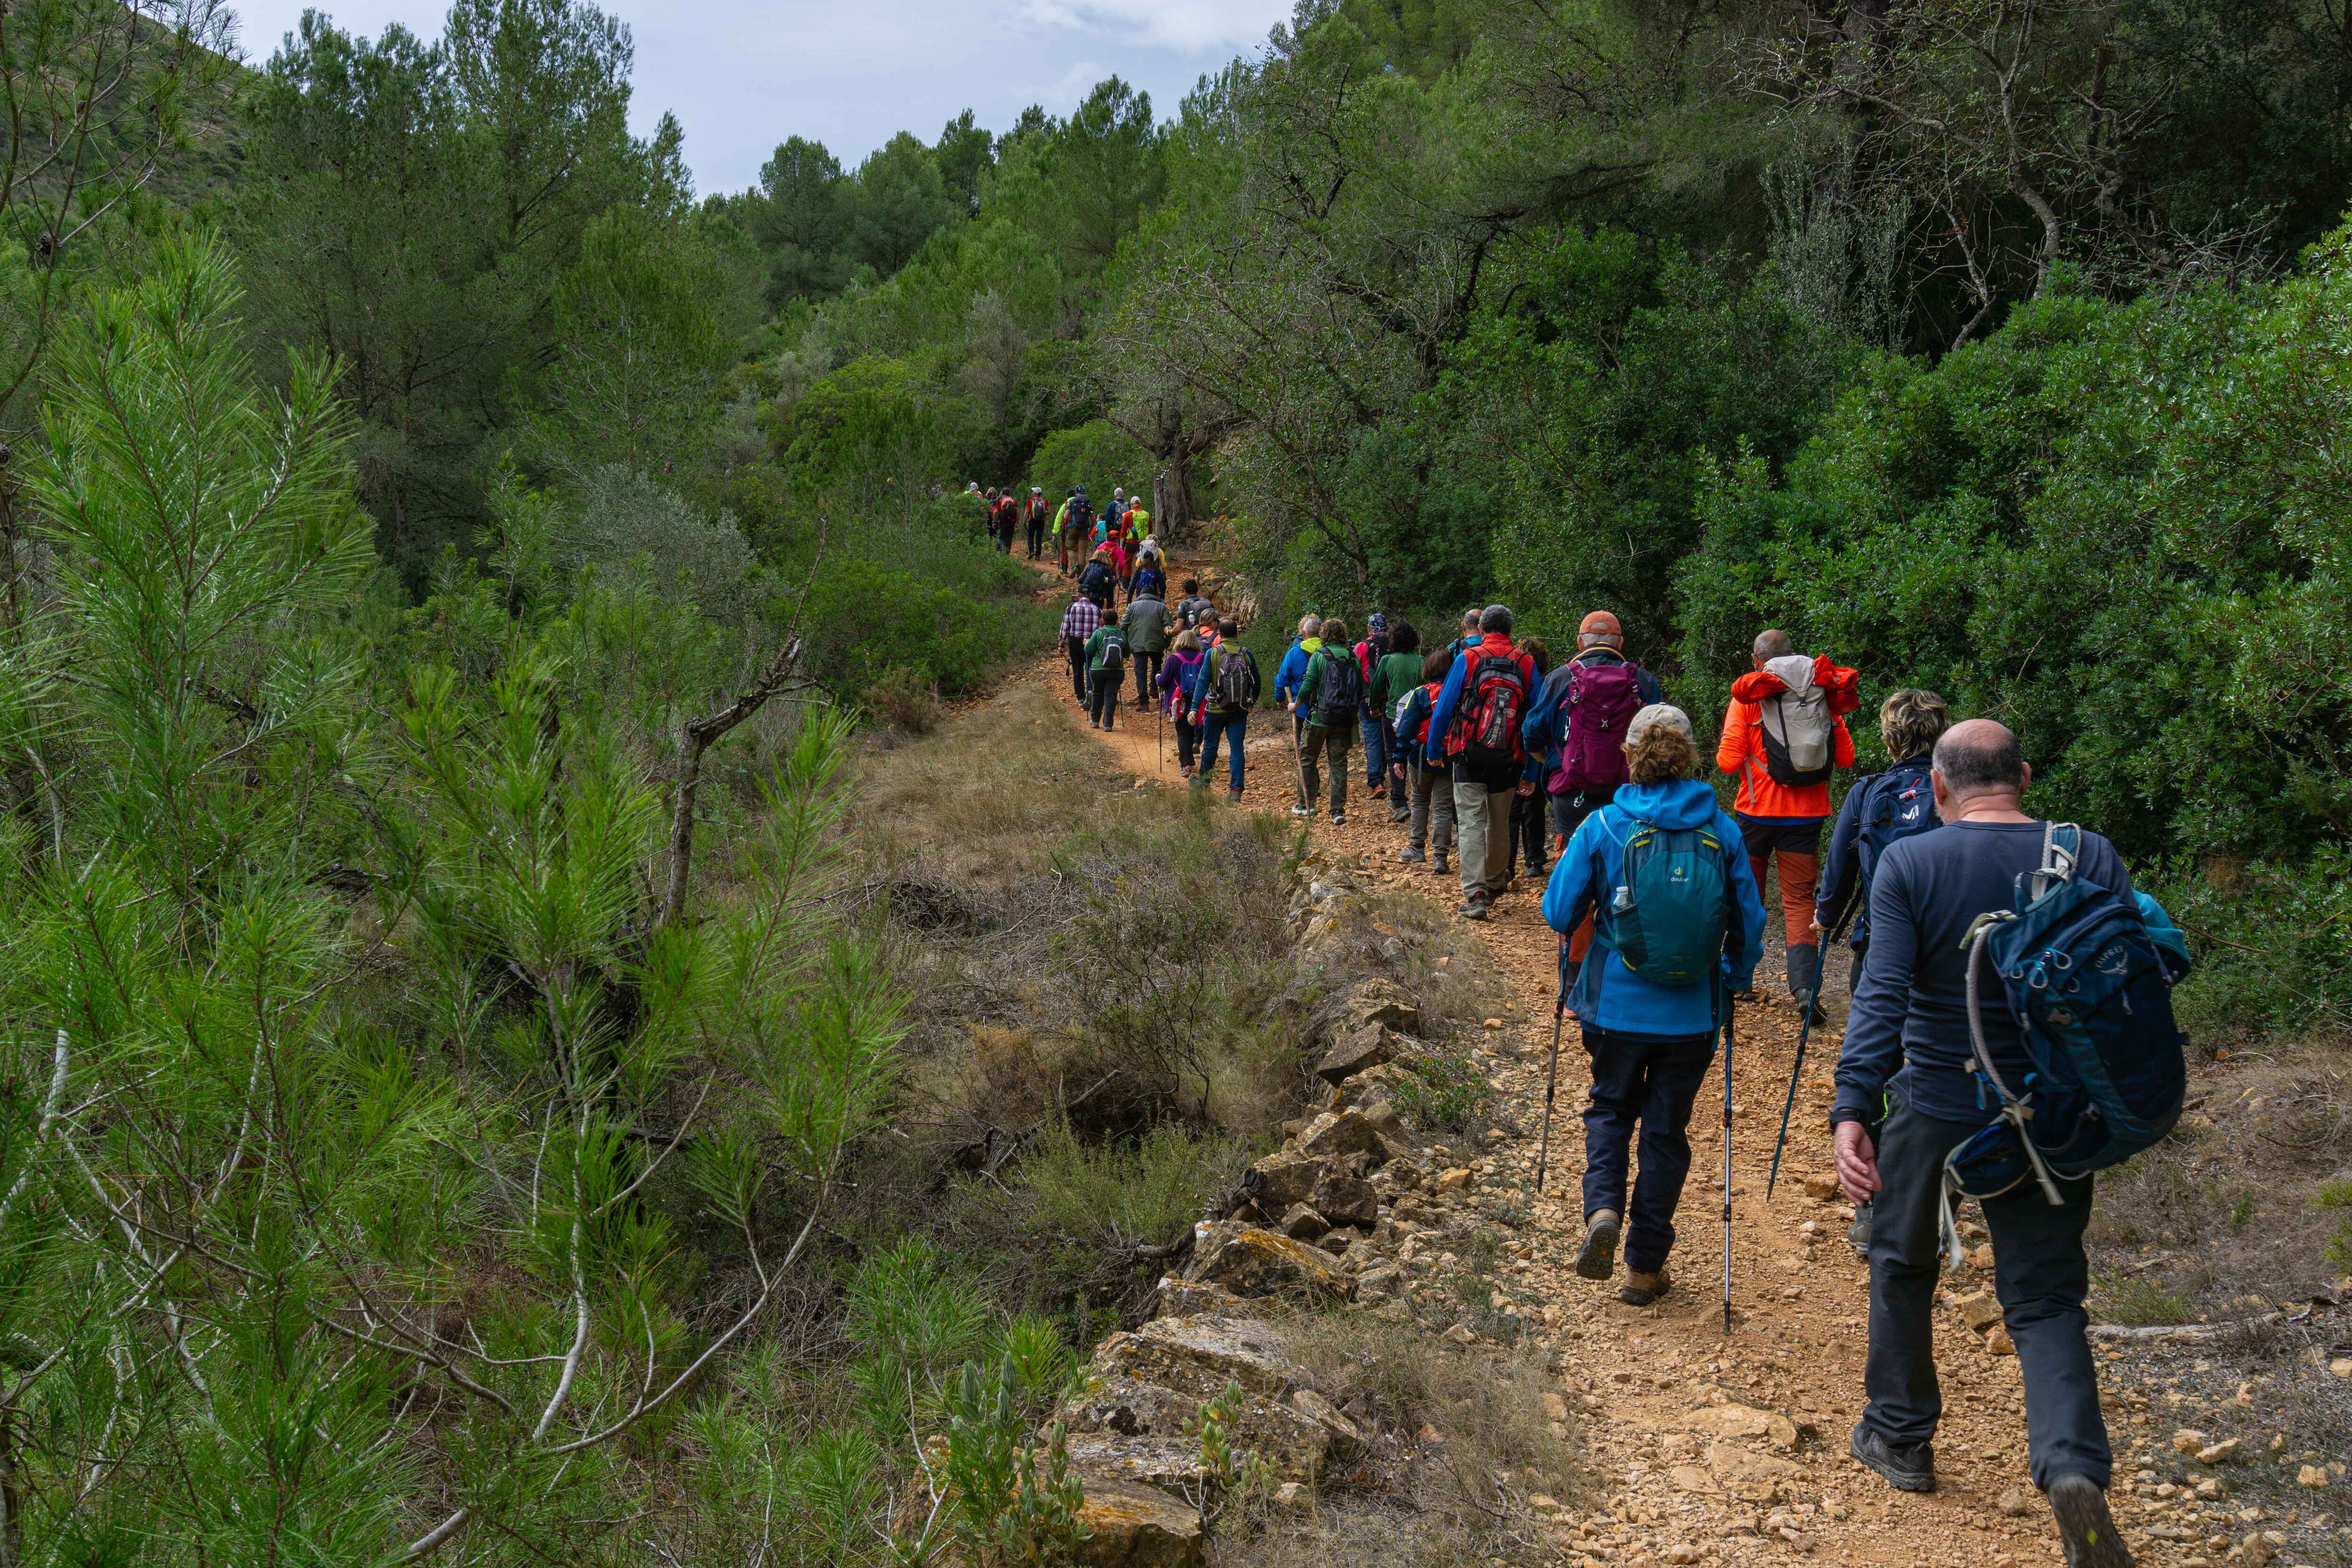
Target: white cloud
(1187, 25)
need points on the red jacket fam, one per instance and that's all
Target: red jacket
(1741, 750)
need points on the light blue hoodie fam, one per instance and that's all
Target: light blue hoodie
(1608, 994)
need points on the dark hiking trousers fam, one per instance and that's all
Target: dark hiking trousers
(1077, 648)
(1146, 672)
(1102, 703)
(1187, 739)
(1653, 1081)
(1036, 538)
(2038, 1274)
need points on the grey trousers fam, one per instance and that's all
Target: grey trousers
(1432, 810)
(1483, 819)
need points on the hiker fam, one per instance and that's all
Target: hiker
(1105, 675)
(1008, 522)
(1293, 667)
(1193, 610)
(1474, 724)
(1177, 678)
(1079, 622)
(1147, 626)
(1151, 576)
(1912, 1006)
(1066, 533)
(1033, 518)
(1782, 735)
(1370, 721)
(1577, 722)
(1430, 790)
(1470, 633)
(1394, 676)
(1876, 813)
(1525, 839)
(1227, 691)
(1678, 926)
(1100, 581)
(1330, 695)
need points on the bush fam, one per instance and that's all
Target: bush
(902, 698)
(1097, 455)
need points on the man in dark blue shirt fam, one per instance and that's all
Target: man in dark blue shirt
(1912, 1009)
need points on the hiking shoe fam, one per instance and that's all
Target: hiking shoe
(1472, 909)
(1411, 857)
(1233, 795)
(1640, 1289)
(1094, 723)
(1596, 1259)
(1910, 1468)
(1339, 820)
(1439, 867)
(1400, 813)
(2085, 1525)
(1302, 811)
(1858, 1234)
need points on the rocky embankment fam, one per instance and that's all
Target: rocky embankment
(1350, 1214)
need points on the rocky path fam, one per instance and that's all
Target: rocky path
(1721, 1447)
(1666, 1396)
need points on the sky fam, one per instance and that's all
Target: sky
(742, 75)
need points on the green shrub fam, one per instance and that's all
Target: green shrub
(903, 698)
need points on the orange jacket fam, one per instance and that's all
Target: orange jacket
(1741, 752)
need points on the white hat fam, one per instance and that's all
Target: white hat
(1665, 713)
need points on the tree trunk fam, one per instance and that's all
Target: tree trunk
(696, 737)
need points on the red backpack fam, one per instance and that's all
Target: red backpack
(1494, 702)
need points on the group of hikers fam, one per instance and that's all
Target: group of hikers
(2009, 1030)
(1078, 529)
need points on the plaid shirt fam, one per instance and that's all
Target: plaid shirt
(1081, 620)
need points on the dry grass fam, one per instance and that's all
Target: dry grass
(1459, 1500)
(2223, 1217)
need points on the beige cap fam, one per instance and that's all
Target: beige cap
(1665, 713)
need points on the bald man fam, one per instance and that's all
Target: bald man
(1907, 1040)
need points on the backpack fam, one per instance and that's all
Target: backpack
(1494, 700)
(1796, 728)
(1601, 700)
(1237, 683)
(1669, 921)
(1094, 581)
(1892, 816)
(2091, 990)
(1149, 582)
(1114, 648)
(1341, 691)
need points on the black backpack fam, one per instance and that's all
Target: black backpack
(1095, 582)
(1237, 683)
(1341, 691)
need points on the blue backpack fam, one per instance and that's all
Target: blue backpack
(1897, 808)
(1668, 922)
(2091, 989)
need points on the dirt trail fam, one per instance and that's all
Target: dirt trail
(1654, 1383)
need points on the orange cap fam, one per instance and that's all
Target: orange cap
(1600, 623)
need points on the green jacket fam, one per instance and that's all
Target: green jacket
(1101, 640)
(1395, 674)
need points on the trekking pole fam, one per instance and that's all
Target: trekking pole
(1551, 1079)
(1728, 1009)
(1804, 1033)
(1158, 737)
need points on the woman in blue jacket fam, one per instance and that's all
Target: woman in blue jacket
(1650, 1038)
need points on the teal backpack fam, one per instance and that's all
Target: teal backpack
(1668, 922)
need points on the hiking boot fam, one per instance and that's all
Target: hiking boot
(1596, 1259)
(1233, 795)
(1411, 857)
(2085, 1525)
(1474, 907)
(1642, 1289)
(1400, 813)
(1858, 1234)
(1094, 723)
(1439, 867)
(1910, 1468)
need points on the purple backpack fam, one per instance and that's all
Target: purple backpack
(1601, 700)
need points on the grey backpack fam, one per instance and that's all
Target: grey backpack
(1796, 725)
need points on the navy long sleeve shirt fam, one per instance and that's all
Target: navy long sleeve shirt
(1908, 1030)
